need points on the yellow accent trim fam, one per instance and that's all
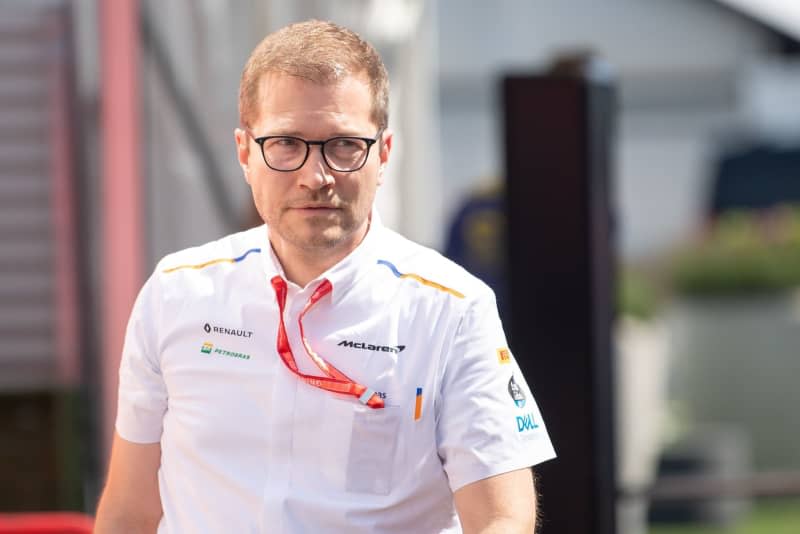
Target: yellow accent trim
(199, 265)
(440, 287)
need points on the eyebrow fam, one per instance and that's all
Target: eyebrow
(295, 133)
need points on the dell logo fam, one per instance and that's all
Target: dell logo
(526, 422)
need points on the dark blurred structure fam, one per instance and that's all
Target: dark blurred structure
(715, 454)
(477, 236)
(756, 177)
(543, 242)
(558, 137)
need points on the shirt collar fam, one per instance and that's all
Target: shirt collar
(344, 274)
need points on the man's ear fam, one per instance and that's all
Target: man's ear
(243, 151)
(385, 149)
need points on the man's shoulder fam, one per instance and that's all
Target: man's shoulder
(232, 249)
(407, 258)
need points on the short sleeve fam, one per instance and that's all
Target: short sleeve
(142, 391)
(488, 421)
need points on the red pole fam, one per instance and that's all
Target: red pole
(122, 238)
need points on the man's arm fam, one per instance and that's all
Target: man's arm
(502, 504)
(131, 503)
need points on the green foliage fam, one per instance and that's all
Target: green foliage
(636, 294)
(742, 254)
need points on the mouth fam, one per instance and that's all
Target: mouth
(314, 209)
(313, 204)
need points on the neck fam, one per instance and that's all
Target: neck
(302, 265)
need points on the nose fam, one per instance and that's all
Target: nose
(315, 173)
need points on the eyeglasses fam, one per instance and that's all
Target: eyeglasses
(286, 153)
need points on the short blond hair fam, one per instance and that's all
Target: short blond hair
(321, 52)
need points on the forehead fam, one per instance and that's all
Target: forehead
(293, 105)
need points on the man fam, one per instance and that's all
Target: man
(319, 373)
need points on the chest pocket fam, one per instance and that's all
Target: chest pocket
(370, 457)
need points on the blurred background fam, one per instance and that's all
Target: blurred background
(116, 147)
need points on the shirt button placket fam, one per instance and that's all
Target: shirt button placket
(279, 444)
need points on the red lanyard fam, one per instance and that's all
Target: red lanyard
(335, 380)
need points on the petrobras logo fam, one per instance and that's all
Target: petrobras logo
(208, 348)
(526, 423)
(368, 346)
(516, 393)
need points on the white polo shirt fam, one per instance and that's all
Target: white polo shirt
(248, 447)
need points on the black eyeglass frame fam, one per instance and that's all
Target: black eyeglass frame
(368, 140)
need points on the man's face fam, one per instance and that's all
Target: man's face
(313, 209)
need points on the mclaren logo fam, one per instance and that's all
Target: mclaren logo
(366, 346)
